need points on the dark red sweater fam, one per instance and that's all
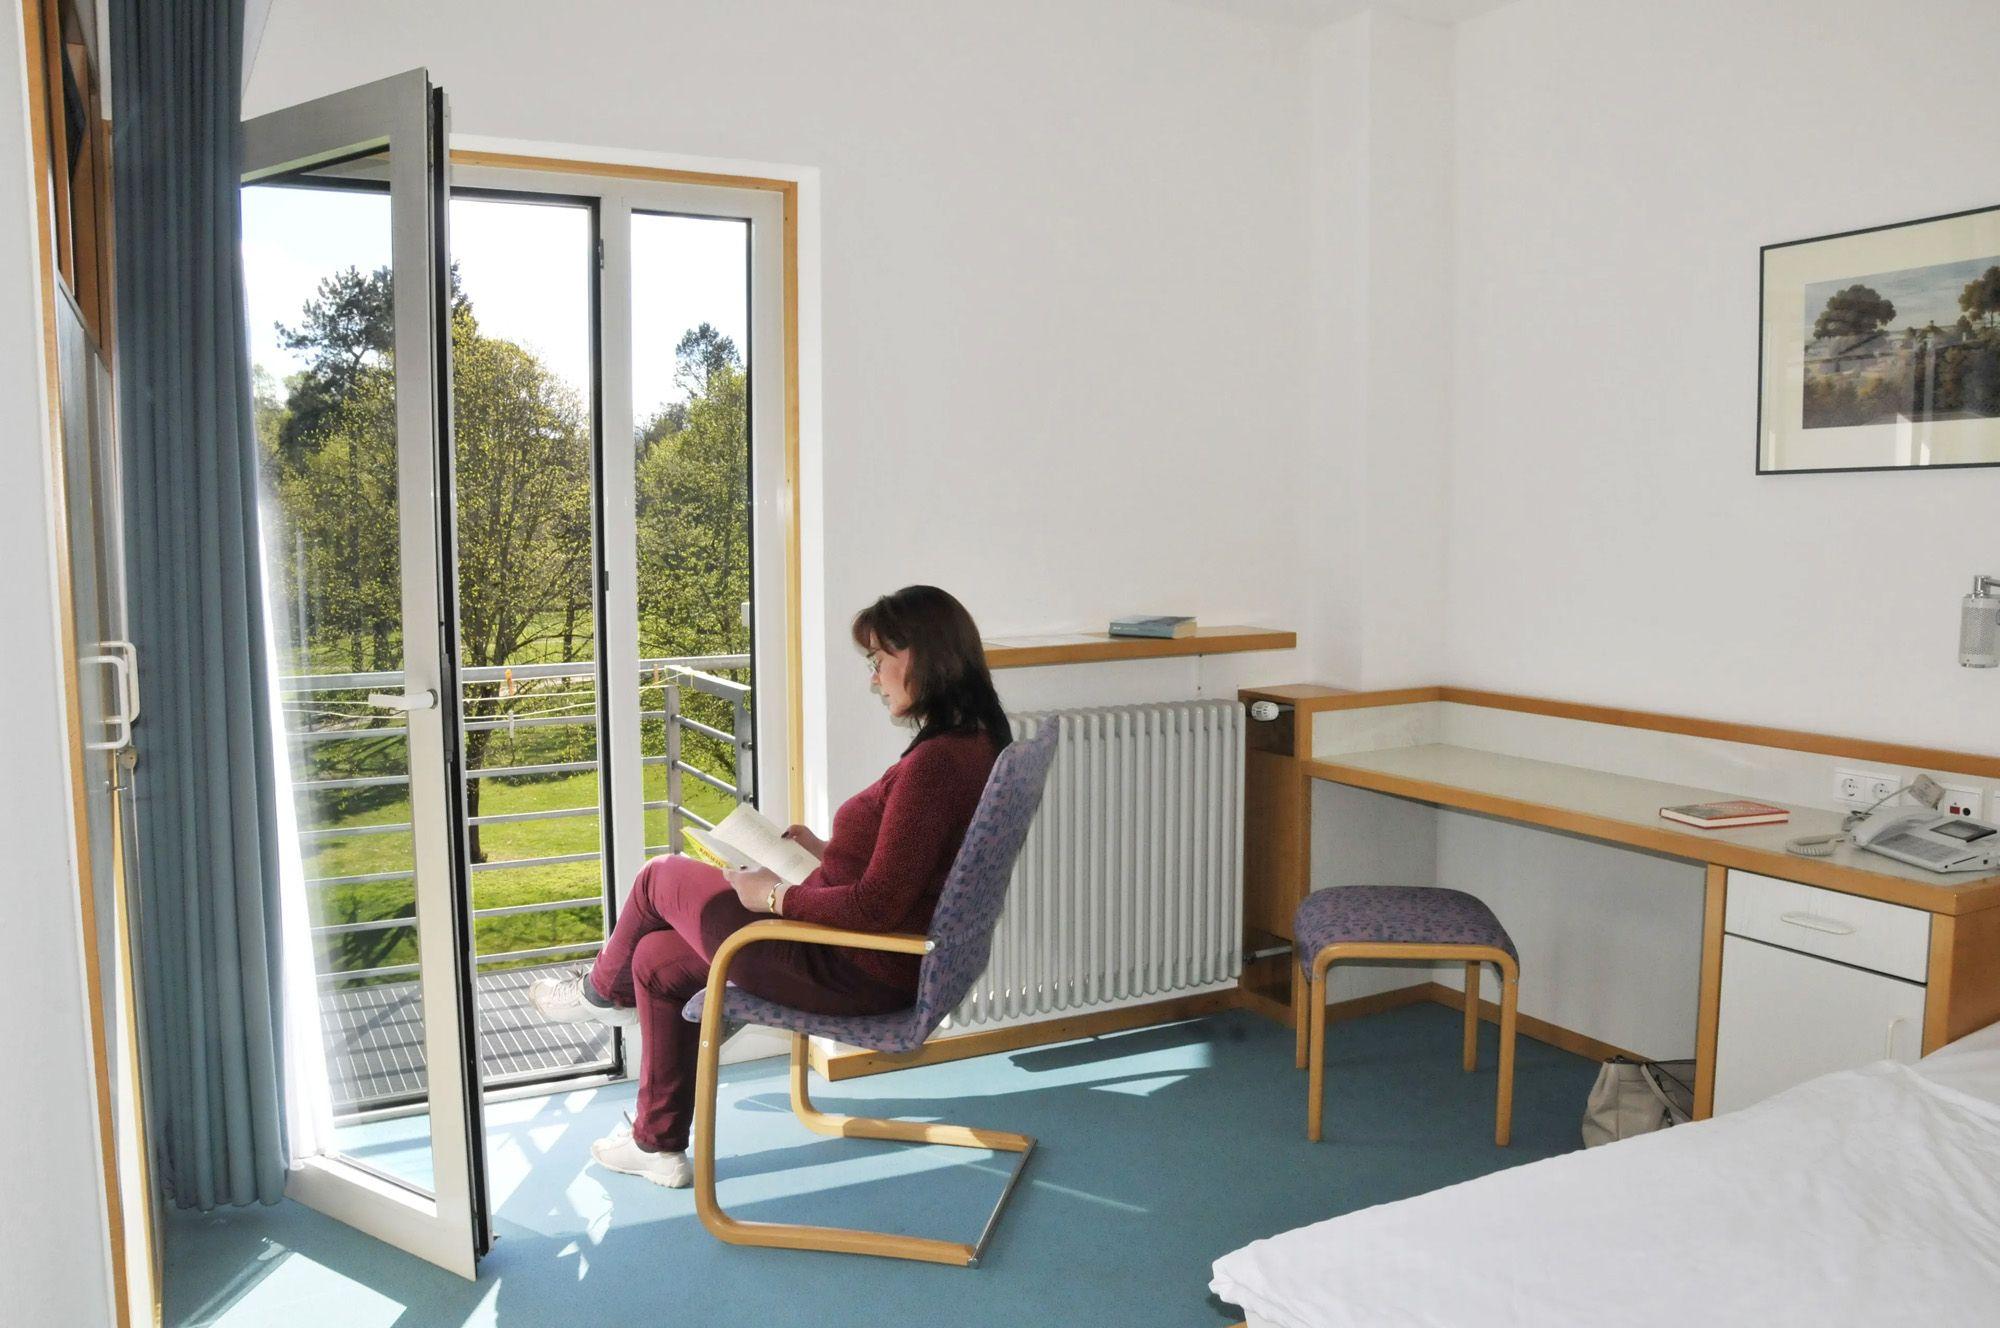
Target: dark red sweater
(893, 844)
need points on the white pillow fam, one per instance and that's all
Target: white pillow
(1971, 1065)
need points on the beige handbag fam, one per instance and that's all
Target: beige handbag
(1637, 1097)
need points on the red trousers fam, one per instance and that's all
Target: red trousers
(657, 958)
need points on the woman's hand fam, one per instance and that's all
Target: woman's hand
(806, 840)
(752, 885)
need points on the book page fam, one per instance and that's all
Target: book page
(746, 837)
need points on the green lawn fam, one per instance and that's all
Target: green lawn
(491, 888)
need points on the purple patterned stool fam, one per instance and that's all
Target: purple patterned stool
(1400, 922)
(954, 954)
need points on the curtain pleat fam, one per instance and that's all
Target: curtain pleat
(207, 862)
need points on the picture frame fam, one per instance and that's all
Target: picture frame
(1879, 349)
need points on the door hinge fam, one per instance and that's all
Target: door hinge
(600, 253)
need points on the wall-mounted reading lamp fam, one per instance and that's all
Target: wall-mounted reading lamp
(1979, 624)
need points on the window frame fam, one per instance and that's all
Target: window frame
(770, 206)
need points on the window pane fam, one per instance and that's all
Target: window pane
(691, 410)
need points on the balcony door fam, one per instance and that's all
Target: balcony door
(349, 299)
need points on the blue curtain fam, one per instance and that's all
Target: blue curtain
(207, 870)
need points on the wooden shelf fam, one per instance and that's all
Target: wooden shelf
(1021, 652)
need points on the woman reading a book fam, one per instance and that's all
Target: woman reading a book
(893, 843)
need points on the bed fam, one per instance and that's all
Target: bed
(1871, 1196)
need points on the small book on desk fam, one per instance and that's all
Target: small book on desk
(1167, 627)
(1723, 815)
(747, 838)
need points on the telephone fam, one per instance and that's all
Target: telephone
(1936, 841)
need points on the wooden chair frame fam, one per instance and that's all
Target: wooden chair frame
(1310, 1053)
(840, 1240)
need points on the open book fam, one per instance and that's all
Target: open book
(747, 838)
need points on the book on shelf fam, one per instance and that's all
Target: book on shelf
(1722, 815)
(748, 838)
(1162, 626)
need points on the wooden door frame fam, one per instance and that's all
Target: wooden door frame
(42, 48)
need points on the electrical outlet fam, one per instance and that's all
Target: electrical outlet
(1860, 788)
(1961, 800)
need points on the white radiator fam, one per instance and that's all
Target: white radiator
(1130, 885)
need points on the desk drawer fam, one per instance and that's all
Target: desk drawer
(1886, 938)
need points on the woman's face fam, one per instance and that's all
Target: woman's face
(889, 671)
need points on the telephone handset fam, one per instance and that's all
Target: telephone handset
(1936, 841)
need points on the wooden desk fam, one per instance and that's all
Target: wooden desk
(1962, 992)
(1621, 809)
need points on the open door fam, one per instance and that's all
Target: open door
(344, 210)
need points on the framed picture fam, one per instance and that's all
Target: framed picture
(1881, 348)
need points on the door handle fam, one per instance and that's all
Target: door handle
(407, 701)
(1814, 922)
(1889, 1043)
(131, 653)
(120, 720)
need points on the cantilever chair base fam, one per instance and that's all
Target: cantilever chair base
(839, 1240)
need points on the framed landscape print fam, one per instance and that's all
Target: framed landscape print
(1881, 348)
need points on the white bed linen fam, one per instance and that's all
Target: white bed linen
(1870, 1197)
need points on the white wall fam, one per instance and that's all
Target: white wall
(1062, 299)
(1580, 291)
(1618, 166)
(1379, 258)
(53, 1261)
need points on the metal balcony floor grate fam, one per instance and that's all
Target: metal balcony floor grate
(375, 1039)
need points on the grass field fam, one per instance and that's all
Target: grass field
(492, 886)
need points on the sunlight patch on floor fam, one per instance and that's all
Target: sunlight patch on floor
(297, 1290)
(1140, 1087)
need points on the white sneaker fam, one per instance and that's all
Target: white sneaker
(561, 1001)
(618, 1151)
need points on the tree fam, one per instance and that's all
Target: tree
(523, 489)
(1981, 297)
(1854, 312)
(346, 330)
(694, 518)
(524, 525)
(701, 354)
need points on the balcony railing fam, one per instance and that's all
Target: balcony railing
(331, 708)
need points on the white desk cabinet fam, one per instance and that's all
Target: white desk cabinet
(1787, 1017)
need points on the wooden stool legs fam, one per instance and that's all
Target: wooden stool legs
(1510, 991)
(1301, 1017)
(1316, 1054)
(1310, 1043)
(1471, 1015)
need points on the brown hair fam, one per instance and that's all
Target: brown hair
(950, 686)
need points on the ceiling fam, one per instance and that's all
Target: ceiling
(1314, 13)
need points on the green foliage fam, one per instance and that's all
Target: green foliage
(524, 530)
(1854, 312)
(1981, 297)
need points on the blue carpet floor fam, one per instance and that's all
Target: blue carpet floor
(1160, 1150)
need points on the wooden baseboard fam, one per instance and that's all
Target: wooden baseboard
(1256, 1002)
(1014, 1037)
(1541, 1030)
(1395, 999)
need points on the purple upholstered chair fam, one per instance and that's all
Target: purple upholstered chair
(954, 954)
(1400, 922)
